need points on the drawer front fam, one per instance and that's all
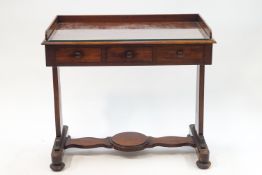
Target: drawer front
(77, 55)
(180, 55)
(129, 55)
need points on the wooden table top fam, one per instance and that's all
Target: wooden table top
(128, 28)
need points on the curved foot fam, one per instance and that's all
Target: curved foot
(203, 165)
(57, 167)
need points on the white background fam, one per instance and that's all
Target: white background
(102, 101)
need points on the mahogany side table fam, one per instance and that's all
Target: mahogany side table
(128, 40)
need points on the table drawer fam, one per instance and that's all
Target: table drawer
(180, 54)
(76, 55)
(129, 55)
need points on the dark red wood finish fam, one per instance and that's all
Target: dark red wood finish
(179, 54)
(130, 53)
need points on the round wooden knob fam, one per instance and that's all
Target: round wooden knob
(78, 54)
(180, 53)
(129, 54)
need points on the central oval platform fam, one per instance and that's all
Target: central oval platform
(129, 141)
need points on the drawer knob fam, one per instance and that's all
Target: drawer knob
(179, 53)
(129, 54)
(78, 54)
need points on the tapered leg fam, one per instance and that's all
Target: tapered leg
(198, 130)
(58, 148)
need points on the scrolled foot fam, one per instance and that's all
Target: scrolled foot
(203, 165)
(57, 167)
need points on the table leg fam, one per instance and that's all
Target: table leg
(58, 148)
(200, 99)
(57, 103)
(197, 129)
